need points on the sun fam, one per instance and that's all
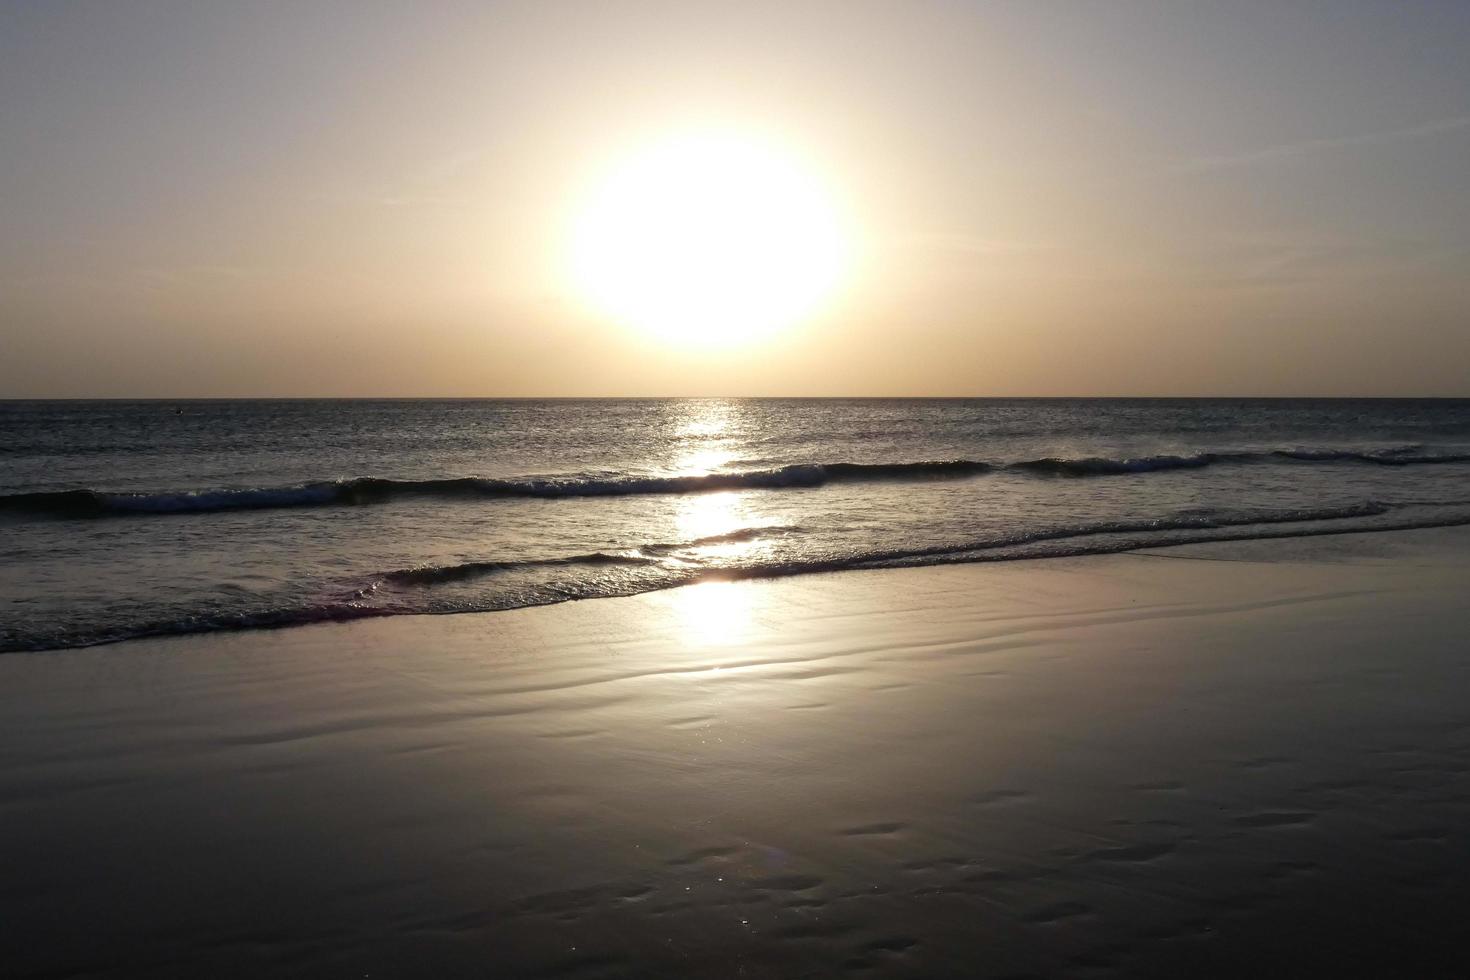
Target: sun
(709, 240)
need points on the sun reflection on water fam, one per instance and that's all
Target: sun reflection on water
(706, 436)
(703, 460)
(704, 419)
(713, 613)
(708, 515)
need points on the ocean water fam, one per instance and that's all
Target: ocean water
(126, 519)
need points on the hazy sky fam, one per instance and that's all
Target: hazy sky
(1044, 198)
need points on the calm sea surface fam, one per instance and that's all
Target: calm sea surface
(122, 519)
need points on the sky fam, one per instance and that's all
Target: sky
(1035, 198)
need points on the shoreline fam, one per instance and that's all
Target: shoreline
(1085, 766)
(1043, 547)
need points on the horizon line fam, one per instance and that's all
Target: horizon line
(849, 397)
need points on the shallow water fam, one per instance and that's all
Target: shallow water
(124, 519)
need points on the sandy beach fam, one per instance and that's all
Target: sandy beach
(1217, 760)
(752, 490)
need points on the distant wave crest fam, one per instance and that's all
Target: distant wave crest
(1097, 466)
(371, 490)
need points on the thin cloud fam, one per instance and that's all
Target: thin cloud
(1285, 151)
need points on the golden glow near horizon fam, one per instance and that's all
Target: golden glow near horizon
(709, 240)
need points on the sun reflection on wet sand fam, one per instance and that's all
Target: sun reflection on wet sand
(714, 613)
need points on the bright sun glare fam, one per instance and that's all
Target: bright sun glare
(709, 240)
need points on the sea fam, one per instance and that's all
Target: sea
(123, 519)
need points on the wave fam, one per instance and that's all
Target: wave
(1004, 545)
(1388, 457)
(1099, 466)
(200, 623)
(642, 573)
(372, 490)
(738, 536)
(431, 574)
(1075, 540)
(1102, 466)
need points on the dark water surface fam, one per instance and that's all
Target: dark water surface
(123, 519)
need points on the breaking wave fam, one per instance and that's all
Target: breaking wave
(431, 574)
(421, 590)
(372, 490)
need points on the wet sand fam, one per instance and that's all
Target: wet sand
(1213, 761)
